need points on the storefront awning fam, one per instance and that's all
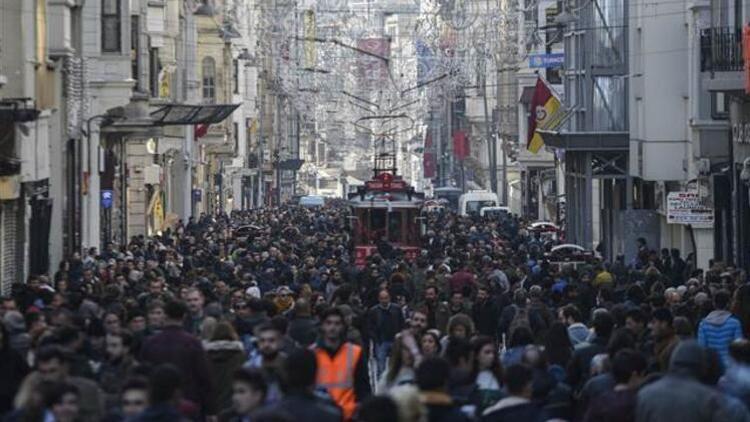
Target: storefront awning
(183, 114)
(586, 141)
(17, 110)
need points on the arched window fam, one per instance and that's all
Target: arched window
(209, 80)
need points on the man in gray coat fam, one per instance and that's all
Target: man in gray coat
(680, 395)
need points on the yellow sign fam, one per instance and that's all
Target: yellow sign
(310, 31)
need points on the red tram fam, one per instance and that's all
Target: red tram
(387, 209)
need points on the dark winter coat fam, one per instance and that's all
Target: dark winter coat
(13, 369)
(224, 358)
(176, 346)
(303, 406)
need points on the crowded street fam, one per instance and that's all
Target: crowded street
(374, 211)
(263, 315)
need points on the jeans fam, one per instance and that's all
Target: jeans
(382, 351)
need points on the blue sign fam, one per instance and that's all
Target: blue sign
(107, 198)
(197, 195)
(546, 60)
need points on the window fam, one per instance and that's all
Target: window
(719, 106)
(154, 69)
(236, 75)
(209, 80)
(111, 39)
(135, 57)
(236, 130)
(609, 106)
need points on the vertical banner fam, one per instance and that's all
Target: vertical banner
(310, 32)
(429, 163)
(461, 147)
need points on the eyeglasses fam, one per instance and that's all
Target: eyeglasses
(240, 307)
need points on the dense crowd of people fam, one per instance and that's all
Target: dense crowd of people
(262, 316)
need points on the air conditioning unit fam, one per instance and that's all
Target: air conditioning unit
(152, 174)
(703, 166)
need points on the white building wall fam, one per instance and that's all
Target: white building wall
(658, 90)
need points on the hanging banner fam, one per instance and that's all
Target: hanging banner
(429, 163)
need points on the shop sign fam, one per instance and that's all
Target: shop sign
(688, 208)
(741, 133)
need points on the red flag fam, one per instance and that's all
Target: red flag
(200, 130)
(460, 144)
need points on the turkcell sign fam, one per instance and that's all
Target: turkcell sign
(546, 60)
(107, 198)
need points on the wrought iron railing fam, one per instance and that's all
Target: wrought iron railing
(721, 49)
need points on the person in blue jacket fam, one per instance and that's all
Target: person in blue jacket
(720, 328)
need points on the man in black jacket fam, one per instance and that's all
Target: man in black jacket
(299, 401)
(432, 380)
(384, 321)
(517, 406)
(485, 313)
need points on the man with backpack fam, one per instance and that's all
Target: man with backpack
(523, 313)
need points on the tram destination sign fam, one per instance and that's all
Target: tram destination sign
(688, 208)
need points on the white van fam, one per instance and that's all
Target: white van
(471, 203)
(312, 201)
(494, 212)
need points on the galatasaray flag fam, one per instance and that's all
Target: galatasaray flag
(544, 108)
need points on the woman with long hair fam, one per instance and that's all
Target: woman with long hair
(429, 344)
(400, 369)
(519, 339)
(558, 349)
(488, 372)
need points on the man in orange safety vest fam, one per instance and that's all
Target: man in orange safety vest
(342, 368)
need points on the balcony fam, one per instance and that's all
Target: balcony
(721, 58)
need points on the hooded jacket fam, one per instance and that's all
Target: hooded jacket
(578, 333)
(679, 395)
(717, 330)
(224, 358)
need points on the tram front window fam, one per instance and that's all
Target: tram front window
(394, 226)
(377, 224)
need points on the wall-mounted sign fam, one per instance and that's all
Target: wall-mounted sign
(107, 199)
(688, 208)
(741, 133)
(546, 60)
